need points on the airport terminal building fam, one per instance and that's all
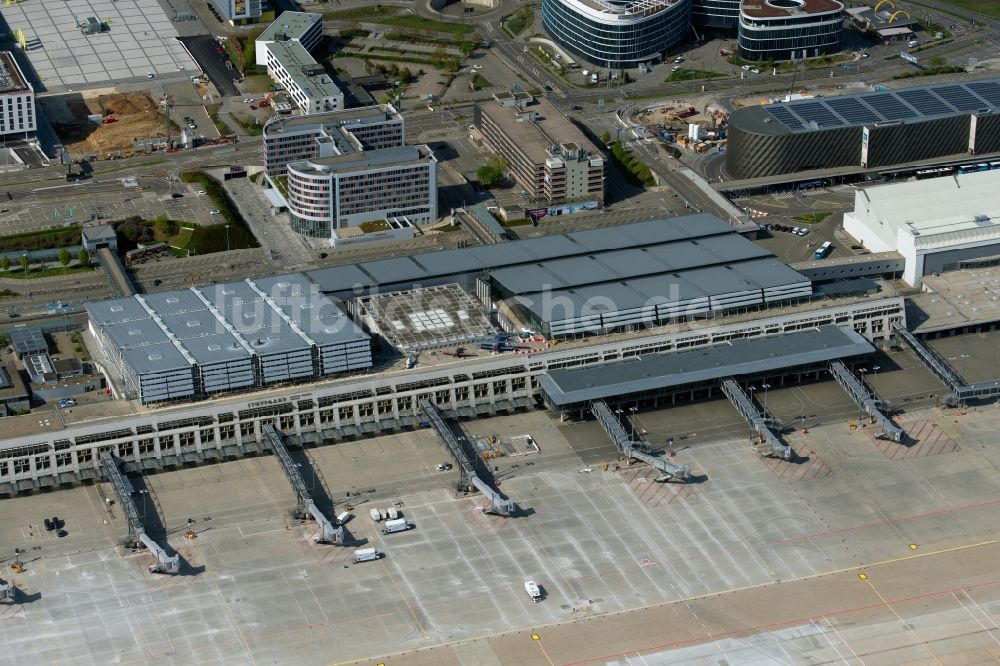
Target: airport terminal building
(869, 130)
(751, 296)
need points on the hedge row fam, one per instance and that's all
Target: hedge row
(635, 171)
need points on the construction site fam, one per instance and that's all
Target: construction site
(100, 122)
(673, 122)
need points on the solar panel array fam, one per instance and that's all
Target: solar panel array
(910, 104)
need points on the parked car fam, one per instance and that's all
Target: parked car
(443, 467)
(248, 100)
(679, 59)
(176, 195)
(215, 211)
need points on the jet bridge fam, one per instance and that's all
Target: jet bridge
(136, 531)
(871, 406)
(960, 390)
(629, 446)
(305, 505)
(467, 462)
(761, 423)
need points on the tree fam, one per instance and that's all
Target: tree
(83, 257)
(606, 137)
(64, 257)
(492, 173)
(5, 263)
(25, 262)
(937, 61)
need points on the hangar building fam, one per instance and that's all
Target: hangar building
(876, 129)
(938, 225)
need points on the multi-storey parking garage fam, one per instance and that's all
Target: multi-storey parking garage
(869, 130)
(617, 33)
(348, 406)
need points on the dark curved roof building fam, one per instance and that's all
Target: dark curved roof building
(876, 129)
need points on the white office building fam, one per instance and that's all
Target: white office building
(337, 191)
(939, 224)
(284, 49)
(17, 98)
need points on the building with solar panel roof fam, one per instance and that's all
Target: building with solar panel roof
(870, 130)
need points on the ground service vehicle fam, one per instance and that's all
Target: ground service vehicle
(366, 555)
(533, 590)
(398, 525)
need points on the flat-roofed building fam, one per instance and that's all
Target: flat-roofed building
(289, 139)
(284, 49)
(233, 336)
(17, 98)
(548, 156)
(938, 224)
(349, 189)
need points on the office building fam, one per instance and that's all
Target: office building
(240, 12)
(619, 34)
(284, 49)
(290, 139)
(718, 16)
(336, 191)
(17, 98)
(546, 153)
(611, 33)
(789, 29)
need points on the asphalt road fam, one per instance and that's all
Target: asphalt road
(203, 48)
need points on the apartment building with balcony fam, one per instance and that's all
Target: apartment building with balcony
(550, 158)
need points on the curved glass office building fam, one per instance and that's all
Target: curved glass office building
(615, 34)
(716, 15)
(789, 29)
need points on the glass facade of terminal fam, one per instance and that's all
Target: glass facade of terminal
(615, 40)
(788, 37)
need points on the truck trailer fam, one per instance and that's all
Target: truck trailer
(366, 555)
(398, 525)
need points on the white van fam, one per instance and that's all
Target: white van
(593, 77)
(533, 590)
(913, 43)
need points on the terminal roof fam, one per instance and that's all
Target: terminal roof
(422, 267)
(739, 357)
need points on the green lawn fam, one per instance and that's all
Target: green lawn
(988, 7)
(361, 14)
(692, 75)
(812, 218)
(420, 23)
(480, 82)
(519, 21)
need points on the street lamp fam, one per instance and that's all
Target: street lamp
(228, 256)
(632, 422)
(27, 285)
(875, 369)
(765, 387)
